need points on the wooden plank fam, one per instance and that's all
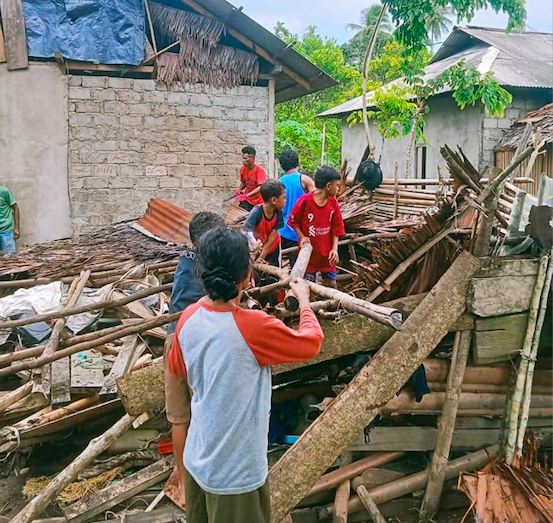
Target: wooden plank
(120, 491)
(487, 423)
(61, 382)
(14, 34)
(73, 65)
(87, 375)
(498, 338)
(130, 351)
(500, 295)
(2, 46)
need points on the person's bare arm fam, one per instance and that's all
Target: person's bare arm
(307, 183)
(301, 237)
(333, 257)
(268, 244)
(16, 219)
(179, 433)
(254, 192)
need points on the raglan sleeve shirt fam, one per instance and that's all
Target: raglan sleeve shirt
(296, 215)
(337, 223)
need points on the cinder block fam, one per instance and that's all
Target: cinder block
(105, 170)
(504, 123)
(79, 171)
(157, 97)
(96, 183)
(211, 112)
(156, 170)
(163, 109)
(115, 107)
(76, 183)
(120, 83)
(188, 110)
(132, 121)
(223, 100)
(189, 182)
(121, 182)
(79, 93)
(75, 81)
(151, 182)
(106, 120)
(103, 94)
(145, 85)
(170, 183)
(88, 107)
(79, 119)
(178, 98)
(94, 81)
(190, 159)
(110, 145)
(490, 123)
(167, 159)
(139, 109)
(93, 158)
(118, 157)
(200, 99)
(131, 170)
(124, 95)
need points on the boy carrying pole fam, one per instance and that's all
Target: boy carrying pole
(317, 219)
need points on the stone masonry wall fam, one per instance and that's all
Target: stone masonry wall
(494, 128)
(131, 140)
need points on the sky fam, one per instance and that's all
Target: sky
(331, 16)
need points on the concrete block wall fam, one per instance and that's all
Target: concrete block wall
(494, 128)
(131, 140)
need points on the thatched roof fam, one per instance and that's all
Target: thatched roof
(542, 118)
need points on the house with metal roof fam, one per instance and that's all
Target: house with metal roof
(521, 62)
(108, 104)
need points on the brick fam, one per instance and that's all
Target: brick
(120, 83)
(75, 81)
(106, 120)
(163, 109)
(129, 96)
(131, 170)
(81, 145)
(145, 85)
(139, 109)
(490, 123)
(132, 121)
(243, 101)
(115, 107)
(80, 171)
(151, 182)
(156, 170)
(212, 159)
(155, 96)
(79, 93)
(80, 119)
(178, 98)
(167, 159)
(211, 112)
(96, 183)
(170, 183)
(513, 113)
(110, 145)
(105, 170)
(211, 181)
(223, 100)
(261, 103)
(121, 182)
(103, 95)
(504, 123)
(95, 81)
(76, 183)
(93, 158)
(200, 99)
(88, 107)
(155, 121)
(188, 110)
(234, 114)
(200, 123)
(256, 115)
(133, 145)
(118, 158)
(189, 183)
(191, 159)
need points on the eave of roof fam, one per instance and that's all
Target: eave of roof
(286, 89)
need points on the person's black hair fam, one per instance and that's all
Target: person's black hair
(326, 174)
(202, 222)
(248, 150)
(223, 256)
(272, 188)
(288, 159)
(370, 174)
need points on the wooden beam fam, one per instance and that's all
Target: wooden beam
(74, 65)
(87, 374)
(271, 166)
(129, 353)
(14, 32)
(251, 45)
(2, 46)
(60, 388)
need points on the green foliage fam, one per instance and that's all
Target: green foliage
(296, 124)
(393, 62)
(412, 16)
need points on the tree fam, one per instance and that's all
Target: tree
(439, 22)
(296, 125)
(368, 19)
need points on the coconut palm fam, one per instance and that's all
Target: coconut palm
(368, 19)
(439, 22)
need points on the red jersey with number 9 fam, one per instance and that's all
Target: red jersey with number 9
(320, 225)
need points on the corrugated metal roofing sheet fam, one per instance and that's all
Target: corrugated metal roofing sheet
(166, 221)
(523, 59)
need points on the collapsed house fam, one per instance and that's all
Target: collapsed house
(422, 345)
(133, 103)
(520, 63)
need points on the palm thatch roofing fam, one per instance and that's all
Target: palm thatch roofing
(541, 118)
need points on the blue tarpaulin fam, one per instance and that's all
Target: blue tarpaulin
(100, 31)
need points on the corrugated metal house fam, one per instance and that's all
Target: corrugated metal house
(521, 62)
(110, 103)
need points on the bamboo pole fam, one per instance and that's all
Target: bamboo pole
(105, 304)
(291, 303)
(384, 315)
(525, 357)
(342, 494)
(98, 445)
(133, 329)
(334, 478)
(396, 191)
(366, 499)
(403, 486)
(15, 395)
(357, 405)
(533, 355)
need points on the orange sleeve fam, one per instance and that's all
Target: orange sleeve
(272, 342)
(175, 360)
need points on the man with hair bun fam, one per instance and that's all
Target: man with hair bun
(226, 352)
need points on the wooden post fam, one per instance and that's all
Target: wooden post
(367, 501)
(271, 167)
(323, 144)
(523, 366)
(2, 46)
(298, 271)
(358, 404)
(14, 32)
(67, 475)
(396, 191)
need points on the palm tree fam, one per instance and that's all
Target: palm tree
(439, 22)
(368, 19)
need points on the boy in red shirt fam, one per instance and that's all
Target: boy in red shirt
(265, 220)
(317, 219)
(252, 176)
